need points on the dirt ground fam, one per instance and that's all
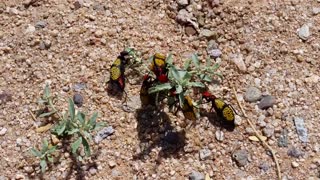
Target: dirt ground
(64, 43)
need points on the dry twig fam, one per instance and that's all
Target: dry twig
(259, 136)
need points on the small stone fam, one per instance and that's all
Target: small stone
(78, 4)
(261, 121)
(195, 175)
(313, 79)
(116, 173)
(183, 16)
(30, 29)
(133, 103)
(315, 10)
(40, 24)
(55, 139)
(208, 34)
(65, 88)
(294, 164)
(103, 133)
(3, 131)
(283, 139)
(268, 131)
(212, 45)
(241, 157)
(301, 130)
(78, 99)
(182, 3)
(79, 86)
(304, 32)
(98, 33)
(190, 31)
(294, 152)
(28, 169)
(215, 53)
(204, 154)
(266, 102)
(237, 59)
(264, 167)
(252, 94)
(219, 135)
(112, 164)
(93, 171)
(20, 176)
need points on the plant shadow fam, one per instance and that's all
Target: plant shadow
(155, 130)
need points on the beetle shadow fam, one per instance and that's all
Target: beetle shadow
(155, 130)
(216, 120)
(115, 91)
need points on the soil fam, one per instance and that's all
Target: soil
(64, 43)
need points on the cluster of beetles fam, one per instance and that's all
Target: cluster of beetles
(158, 66)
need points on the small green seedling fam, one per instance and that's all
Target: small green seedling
(45, 154)
(48, 101)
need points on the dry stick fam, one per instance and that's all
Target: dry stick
(32, 115)
(259, 136)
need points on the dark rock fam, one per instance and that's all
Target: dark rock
(78, 4)
(5, 97)
(266, 102)
(190, 31)
(264, 167)
(40, 24)
(78, 99)
(241, 157)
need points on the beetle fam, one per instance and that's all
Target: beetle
(159, 67)
(223, 110)
(145, 97)
(188, 109)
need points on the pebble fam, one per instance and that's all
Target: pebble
(103, 133)
(215, 53)
(78, 4)
(261, 121)
(190, 31)
(116, 173)
(304, 32)
(241, 157)
(195, 175)
(264, 166)
(93, 170)
(30, 29)
(301, 130)
(78, 99)
(28, 169)
(79, 86)
(312, 79)
(266, 102)
(98, 33)
(183, 16)
(112, 164)
(212, 44)
(315, 10)
(65, 88)
(3, 131)
(182, 2)
(237, 59)
(294, 152)
(219, 135)
(134, 103)
(40, 24)
(208, 34)
(252, 94)
(294, 164)
(204, 154)
(283, 139)
(268, 131)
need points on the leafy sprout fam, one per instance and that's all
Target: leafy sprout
(45, 154)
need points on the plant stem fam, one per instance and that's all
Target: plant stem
(259, 136)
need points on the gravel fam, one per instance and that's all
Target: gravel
(78, 99)
(237, 59)
(40, 24)
(304, 32)
(294, 152)
(3, 131)
(283, 138)
(205, 154)
(252, 94)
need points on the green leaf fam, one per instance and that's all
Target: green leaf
(207, 78)
(42, 101)
(71, 109)
(43, 165)
(45, 145)
(52, 149)
(179, 89)
(81, 117)
(35, 152)
(47, 91)
(99, 125)
(208, 62)
(181, 99)
(59, 129)
(169, 59)
(72, 131)
(47, 114)
(195, 60)
(75, 145)
(50, 159)
(196, 84)
(214, 67)
(87, 135)
(186, 64)
(86, 147)
(160, 87)
(175, 73)
(92, 121)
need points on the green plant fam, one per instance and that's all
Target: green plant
(45, 154)
(48, 101)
